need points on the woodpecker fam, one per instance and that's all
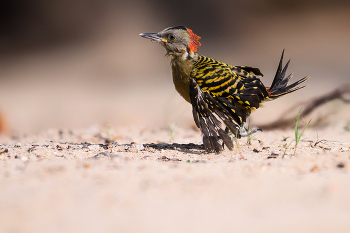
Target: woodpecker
(222, 96)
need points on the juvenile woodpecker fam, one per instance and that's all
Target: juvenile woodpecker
(222, 96)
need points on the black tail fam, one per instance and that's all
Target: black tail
(280, 85)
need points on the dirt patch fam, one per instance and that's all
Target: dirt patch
(129, 180)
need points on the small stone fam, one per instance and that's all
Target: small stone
(195, 161)
(140, 146)
(31, 149)
(133, 150)
(18, 144)
(315, 169)
(24, 158)
(94, 147)
(272, 156)
(62, 146)
(4, 151)
(164, 158)
(105, 154)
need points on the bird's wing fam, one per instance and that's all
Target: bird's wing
(246, 70)
(238, 84)
(210, 115)
(222, 95)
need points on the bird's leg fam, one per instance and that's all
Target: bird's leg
(243, 132)
(232, 135)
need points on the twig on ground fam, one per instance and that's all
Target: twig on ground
(310, 106)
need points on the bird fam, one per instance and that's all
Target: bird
(222, 96)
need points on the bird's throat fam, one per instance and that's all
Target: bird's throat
(181, 69)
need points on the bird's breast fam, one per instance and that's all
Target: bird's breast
(181, 77)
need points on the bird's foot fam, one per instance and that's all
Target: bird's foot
(244, 133)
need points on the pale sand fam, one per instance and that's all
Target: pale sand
(51, 182)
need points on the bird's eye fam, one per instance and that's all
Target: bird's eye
(172, 37)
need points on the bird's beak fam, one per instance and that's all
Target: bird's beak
(154, 37)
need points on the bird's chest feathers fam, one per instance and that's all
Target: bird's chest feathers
(181, 76)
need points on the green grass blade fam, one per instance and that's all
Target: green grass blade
(305, 127)
(296, 129)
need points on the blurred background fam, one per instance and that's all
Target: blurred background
(77, 63)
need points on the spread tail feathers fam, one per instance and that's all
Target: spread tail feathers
(280, 83)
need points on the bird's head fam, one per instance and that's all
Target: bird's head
(178, 41)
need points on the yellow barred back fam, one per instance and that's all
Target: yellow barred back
(231, 82)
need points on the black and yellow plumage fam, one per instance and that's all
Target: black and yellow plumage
(222, 96)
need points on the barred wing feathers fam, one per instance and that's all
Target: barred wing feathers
(239, 84)
(223, 96)
(210, 116)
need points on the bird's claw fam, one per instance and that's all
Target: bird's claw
(243, 132)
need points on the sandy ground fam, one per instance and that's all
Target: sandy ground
(132, 174)
(132, 179)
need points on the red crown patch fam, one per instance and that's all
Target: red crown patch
(194, 41)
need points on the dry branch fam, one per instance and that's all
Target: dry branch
(309, 106)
